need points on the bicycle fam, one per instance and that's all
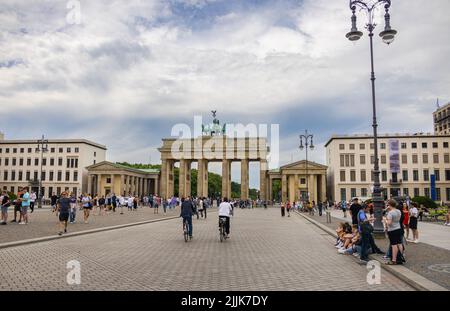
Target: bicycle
(222, 233)
(186, 230)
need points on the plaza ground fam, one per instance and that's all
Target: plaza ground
(265, 252)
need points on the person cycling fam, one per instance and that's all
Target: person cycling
(187, 210)
(225, 211)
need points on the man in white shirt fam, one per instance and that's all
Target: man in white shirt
(32, 200)
(225, 211)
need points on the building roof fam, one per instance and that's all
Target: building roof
(53, 141)
(395, 135)
(124, 167)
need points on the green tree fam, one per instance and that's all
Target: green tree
(427, 202)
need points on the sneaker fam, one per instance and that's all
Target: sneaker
(356, 254)
(416, 241)
(21, 223)
(363, 262)
(386, 257)
(341, 251)
(59, 233)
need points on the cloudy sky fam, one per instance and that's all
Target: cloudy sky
(130, 70)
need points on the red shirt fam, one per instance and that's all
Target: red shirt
(406, 219)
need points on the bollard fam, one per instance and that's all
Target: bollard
(328, 217)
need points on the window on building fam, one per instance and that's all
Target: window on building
(60, 161)
(75, 176)
(72, 163)
(415, 175)
(437, 175)
(14, 150)
(372, 159)
(0, 161)
(342, 175)
(341, 147)
(363, 175)
(94, 162)
(68, 163)
(446, 158)
(1, 150)
(427, 192)
(77, 149)
(446, 144)
(426, 175)
(28, 162)
(447, 175)
(52, 150)
(22, 150)
(35, 175)
(14, 161)
(405, 192)
(362, 159)
(5, 175)
(29, 150)
(76, 163)
(108, 180)
(44, 161)
(403, 145)
(59, 176)
(353, 192)
(415, 159)
(67, 176)
(383, 159)
(404, 158)
(21, 161)
(36, 161)
(51, 176)
(424, 145)
(372, 176)
(58, 191)
(7, 150)
(69, 150)
(28, 175)
(425, 158)
(303, 181)
(13, 189)
(362, 146)
(447, 192)
(20, 175)
(435, 158)
(372, 146)
(405, 175)
(52, 161)
(384, 175)
(342, 160)
(13, 175)
(416, 192)
(343, 194)
(435, 145)
(43, 175)
(61, 150)
(383, 146)
(438, 194)
(95, 153)
(414, 145)
(352, 146)
(364, 192)
(352, 175)
(6, 161)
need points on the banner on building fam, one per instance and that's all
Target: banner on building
(433, 187)
(394, 157)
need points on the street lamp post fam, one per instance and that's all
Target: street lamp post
(307, 139)
(41, 147)
(387, 36)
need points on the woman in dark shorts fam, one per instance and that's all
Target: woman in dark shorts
(395, 232)
(87, 206)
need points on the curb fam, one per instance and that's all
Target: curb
(68, 235)
(411, 278)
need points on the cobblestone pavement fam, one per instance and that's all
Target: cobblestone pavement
(429, 261)
(265, 252)
(45, 223)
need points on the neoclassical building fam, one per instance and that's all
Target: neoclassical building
(299, 178)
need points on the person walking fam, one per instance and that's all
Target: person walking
(63, 207)
(86, 201)
(282, 209)
(288, 208)
(53, 200)
(413, 217)
(206, 204)
(17, 206)
(122, 203)
(32, 200)
(200, 205)
(5, 203)
(187, 210)
(101, 205)
(73, 208)
(320, 207)
(25, 204)
(114, 202)
(344, 208)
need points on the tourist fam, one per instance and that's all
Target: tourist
(447, 218)
(87, 206)
(200, 207)
(114, 202)
(53, 200)
(25, 204)
(288, 208)
(187, 209)
(17, 206)
(282, 209)
(122, 203)
(130, 203)
(395, 233)
(73, 208)
(5, 203)
(63, 208)
(413, 217)
(101, 205)
(32, 200)
(354, 210)
(344, 208)
(405, 212)
(365, 229)
(135, 203)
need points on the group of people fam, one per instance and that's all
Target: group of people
(398, 219)
(303, 206)
(23, 202)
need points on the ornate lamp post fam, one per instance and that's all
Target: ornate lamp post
(41, 147)
(307, 139)
(387, 36)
